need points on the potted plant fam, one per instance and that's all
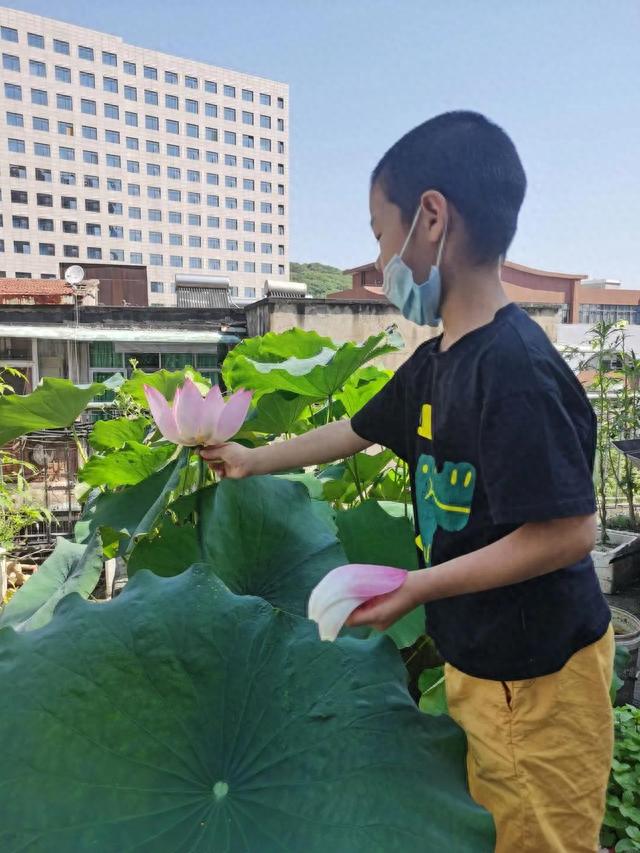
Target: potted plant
(613, 388)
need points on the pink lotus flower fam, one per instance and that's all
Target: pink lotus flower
(345, 588)
(196, 420)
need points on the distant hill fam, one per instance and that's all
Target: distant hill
(320, 278)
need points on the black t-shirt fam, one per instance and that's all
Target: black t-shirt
(497, 432)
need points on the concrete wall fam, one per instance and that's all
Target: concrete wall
(355, 320)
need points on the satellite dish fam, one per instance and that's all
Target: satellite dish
(74, 275)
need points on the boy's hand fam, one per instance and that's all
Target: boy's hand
(384, 610)
(229, 460)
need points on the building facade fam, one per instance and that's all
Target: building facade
(117, 154)
(578, 298)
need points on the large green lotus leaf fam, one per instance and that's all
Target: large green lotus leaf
(370, 535)
(113, 434)
(361, 387)
(180, 718)
(344, 482)
(134, 510)
(54, 403)
(167, 552)
(70, 568)
(263, 537)
(298, 361)
(165, 381)
(278, 413)
(126, 466)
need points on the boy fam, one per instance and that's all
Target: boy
(500, 439)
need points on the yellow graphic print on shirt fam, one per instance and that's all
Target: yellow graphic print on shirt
(443, 498)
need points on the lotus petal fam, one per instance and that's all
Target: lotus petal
(189, 413)
(232, 417)
(213, 408)
(347, 587)
(162, 414)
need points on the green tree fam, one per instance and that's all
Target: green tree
(320, 279)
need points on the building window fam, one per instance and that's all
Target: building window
(85, 53)
(193, 198)
(150, 72)
(249, 225)
(67, 154)
(175, 260)
(211, 134)
(88, 79)
(44, 199)
(16, 146)
(63, 75)
(280, 147)
(211, 110)
(114, 185)
(93, 229)
(250, 292)
(231, 245)
(94, 253)
(229, 137)
(135, 257)
(20, 222)
(135, 235)
(172, 126)
(174, 195)
(212, 156)
(13, 91)
(265, 121)
(35, 40)
(71, 251)
(12, 63)
(229, 91)
(265, 100)
(265, 165)
(69, 227)
(111, 111)
(174, 173)
(266, 268)
(249, 246)
(135, 213)
(109, 58)
(112, 136)
(92, 181)
(232, 266)
(281, 124)
(22, 247)
(229, 114)
(45, 224)
(195, 263)
(151, 97)
(151, 123)
(116, 232)
(116, 255)
(92, 205)
(131, 119)
(132, 143)
(154, 215)
(175, 217)
(281, 103)
(129, 68)
(61, 46)
(265, 186)
(171, 77)
(190, 105)
(153, 192)
(115, 208)
(110, 84)
(17, 172)
(90, 157)
(191, 82)
(155, 236)
(15, 119)
(88, 107)
(88, 132)
(213, 243)
(195, 219)
(69, 202)
(9, 34)
(266, 207)
(156, 287)
(193, 130)
(156, 260)
(211, 87)
(43, 175)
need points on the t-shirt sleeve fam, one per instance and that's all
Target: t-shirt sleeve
(533, 465)
(383, 419)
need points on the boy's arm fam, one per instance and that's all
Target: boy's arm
(534, 549)
(336, 440)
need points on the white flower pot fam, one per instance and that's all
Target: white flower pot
(607, 560)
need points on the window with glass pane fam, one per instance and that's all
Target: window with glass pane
(8, 34)
(45, 224)
(156, 260)
(109, 58)
(34, 40)
(11, 62)
(63, 75)
(61, 46)
(129, 67)
(191, 82)
(85, 53)
(88, 107)
(210, 86)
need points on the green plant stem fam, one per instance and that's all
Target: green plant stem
(356, 476)
(424, 642)
(81, 450)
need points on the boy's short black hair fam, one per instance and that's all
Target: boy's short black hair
(473, 163)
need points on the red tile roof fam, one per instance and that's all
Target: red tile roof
(34, 287)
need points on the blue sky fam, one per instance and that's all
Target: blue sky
(561, 76)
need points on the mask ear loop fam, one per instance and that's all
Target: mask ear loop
(411, 230)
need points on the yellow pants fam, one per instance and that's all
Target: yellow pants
(539, 751)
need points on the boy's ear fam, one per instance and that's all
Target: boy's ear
(434, 214)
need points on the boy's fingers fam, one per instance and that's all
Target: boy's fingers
(212, 452)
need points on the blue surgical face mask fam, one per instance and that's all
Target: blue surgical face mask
(419, 303)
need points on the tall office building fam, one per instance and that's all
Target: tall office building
(117, 154)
